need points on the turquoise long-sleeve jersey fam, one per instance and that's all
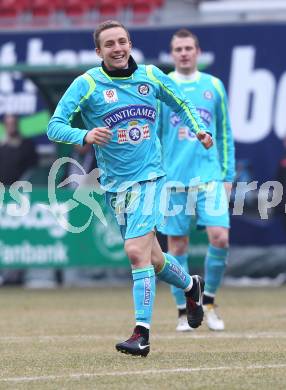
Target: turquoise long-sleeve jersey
(183, 156)
(130, 108)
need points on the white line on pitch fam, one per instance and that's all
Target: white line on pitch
(141, 372)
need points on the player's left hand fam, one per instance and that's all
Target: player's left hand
(205, 139)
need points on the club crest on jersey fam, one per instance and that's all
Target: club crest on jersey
(134, 134)
(143, 89)
(208, 95)
(132, 112)
(110, 95)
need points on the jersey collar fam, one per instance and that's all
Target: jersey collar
(180, 78)
(132, 66)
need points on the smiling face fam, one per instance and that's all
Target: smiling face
(185, 54)
(114, 48)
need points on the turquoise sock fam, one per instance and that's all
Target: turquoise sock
(144, 289)
(173, 273)
(215, 264)
(178, 293)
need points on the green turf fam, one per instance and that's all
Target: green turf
(64, 339)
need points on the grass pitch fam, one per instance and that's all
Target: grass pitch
(64, 339)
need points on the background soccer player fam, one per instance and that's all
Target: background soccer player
(118, 105)
(185, 159)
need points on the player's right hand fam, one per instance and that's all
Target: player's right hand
(205, 139)
(99, 136)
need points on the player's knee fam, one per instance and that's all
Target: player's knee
(179, 251)
(178, 247)
(220, 239)
(134, 253)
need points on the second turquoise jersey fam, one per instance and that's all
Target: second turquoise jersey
(183, 155)
(130, 108)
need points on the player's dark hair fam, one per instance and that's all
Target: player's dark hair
(185, 33)
(105, 26)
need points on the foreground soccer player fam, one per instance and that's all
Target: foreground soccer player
(185, 160)
(118, 104)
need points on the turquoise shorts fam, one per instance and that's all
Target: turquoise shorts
(138, 210)
(206, 203)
